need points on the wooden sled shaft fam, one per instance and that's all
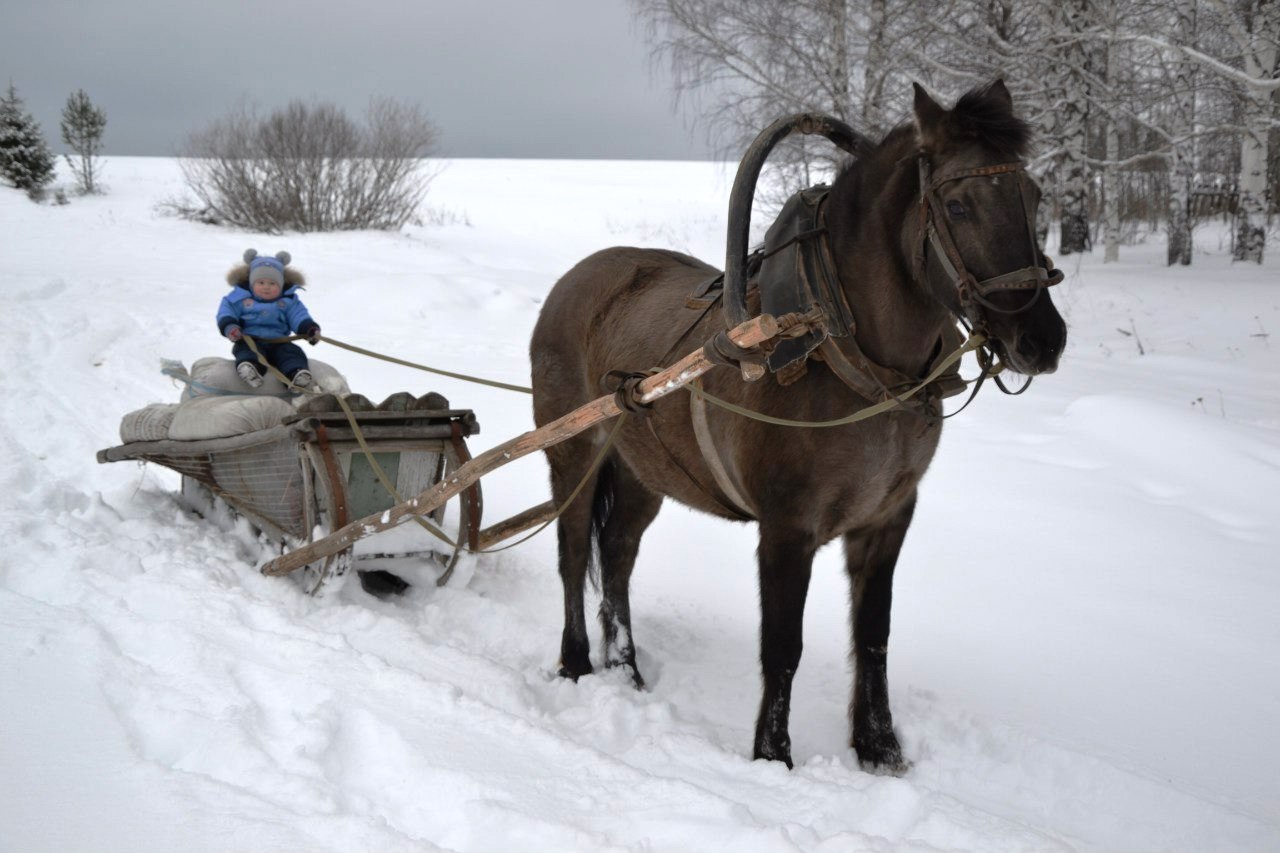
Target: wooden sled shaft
(749, 334)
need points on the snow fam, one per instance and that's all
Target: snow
(1086, 647)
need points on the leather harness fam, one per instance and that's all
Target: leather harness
(796, 273)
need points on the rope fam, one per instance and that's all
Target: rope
(973, 343)
(386, 481)
(393, 360)
(359, 435)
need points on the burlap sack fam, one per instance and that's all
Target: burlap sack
(219, 417)
(218, 377)
(149, 424)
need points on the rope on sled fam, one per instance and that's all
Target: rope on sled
(492, 383)
(359, 435)
(381, 474)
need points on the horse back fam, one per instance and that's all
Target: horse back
(619, 309)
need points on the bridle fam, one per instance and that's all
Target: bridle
(936, 234)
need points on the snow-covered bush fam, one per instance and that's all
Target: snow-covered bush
(309, 168)
(25, 159)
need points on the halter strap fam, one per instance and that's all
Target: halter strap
(938, 236)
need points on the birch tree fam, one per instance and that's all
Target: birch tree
(1149, 95)
(1070, 38)
(1182, 148)
(1256, 30)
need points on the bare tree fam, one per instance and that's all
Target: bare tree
(82, 127)
(311, 168)
(1232, 44)
(752, 61)
(1174, 107)
(1256, 31)
(1182, 147)
(1070, 24)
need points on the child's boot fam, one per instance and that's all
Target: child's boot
(249, 374)
(302, 378)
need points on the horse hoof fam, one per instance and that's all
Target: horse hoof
(768, 752)
(898, 768)
(883, 758)
(637, 680)
(573, 672)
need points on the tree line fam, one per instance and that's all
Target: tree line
(1153, 114)
(303, 167)
(25, 159)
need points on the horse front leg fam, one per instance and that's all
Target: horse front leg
(786, 562)
(870, 560)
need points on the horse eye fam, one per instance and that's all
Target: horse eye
(955, 208)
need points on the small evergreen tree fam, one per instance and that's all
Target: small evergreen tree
(25, 159)
(82, 126)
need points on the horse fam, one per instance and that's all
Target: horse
(953, 172)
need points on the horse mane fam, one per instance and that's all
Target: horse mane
(989, 118)
(978, 114)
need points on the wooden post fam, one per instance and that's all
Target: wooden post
(518, 523)
(748, 334)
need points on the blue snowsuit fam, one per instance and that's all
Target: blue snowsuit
(264, 320)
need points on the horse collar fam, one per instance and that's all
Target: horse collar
(797, 275)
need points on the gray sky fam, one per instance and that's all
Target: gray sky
(499, 78)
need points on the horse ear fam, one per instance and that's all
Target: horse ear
(929, 115)
(1000, 92)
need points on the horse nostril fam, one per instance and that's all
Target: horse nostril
(1042, 357)
(1027, 347)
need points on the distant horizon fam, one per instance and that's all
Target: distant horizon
(591, 157)
(571, 81)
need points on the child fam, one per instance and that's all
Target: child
(264, 303)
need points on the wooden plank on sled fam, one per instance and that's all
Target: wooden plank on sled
(747, 335)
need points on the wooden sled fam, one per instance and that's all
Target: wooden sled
(309, 475)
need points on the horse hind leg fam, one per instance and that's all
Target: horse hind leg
(870, 560)
(570, 462)
(624, 510)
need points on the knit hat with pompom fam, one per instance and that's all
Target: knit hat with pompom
(265, 267)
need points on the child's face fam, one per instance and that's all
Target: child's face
(265, 288)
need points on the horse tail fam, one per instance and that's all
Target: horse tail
(602, 503)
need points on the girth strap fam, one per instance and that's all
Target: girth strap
(711, 455)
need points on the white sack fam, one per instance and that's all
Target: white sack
(219, 417)
(149, 424)
(217, 376)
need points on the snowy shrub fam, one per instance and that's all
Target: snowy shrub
(309, 168)
(25, 159)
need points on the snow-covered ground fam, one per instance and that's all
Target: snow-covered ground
(1086, 648)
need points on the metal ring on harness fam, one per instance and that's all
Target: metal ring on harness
(625, 385)
(724, 352)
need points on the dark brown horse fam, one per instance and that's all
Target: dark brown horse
(624, 308)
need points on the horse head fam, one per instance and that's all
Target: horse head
(973, 242)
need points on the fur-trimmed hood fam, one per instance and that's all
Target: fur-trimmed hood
(238, 276)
